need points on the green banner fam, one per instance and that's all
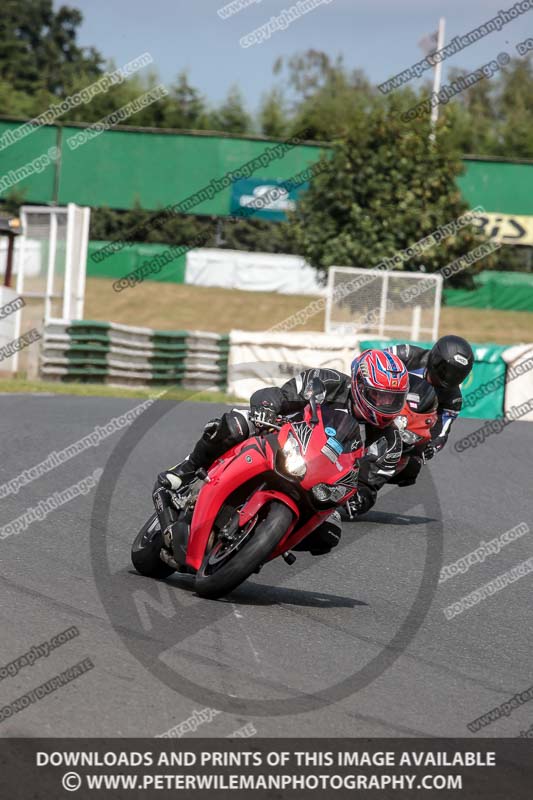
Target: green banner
(509, 291)
(120, 168)
(484, 389)
(501, 186)
(129, 258)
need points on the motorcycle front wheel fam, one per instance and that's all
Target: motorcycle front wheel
(228, 564)
(146, 548)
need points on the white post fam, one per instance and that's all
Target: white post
(20, 285)
(437, 78)
(415, 323)
(51, 266)
(329, 300)
(383, 304)
(69, 262)
(82, 267)
(436, 313)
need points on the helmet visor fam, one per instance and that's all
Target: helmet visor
(385, 401)
(450, 375)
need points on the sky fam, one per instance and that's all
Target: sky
(379, 36)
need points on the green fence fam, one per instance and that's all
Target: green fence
(31, 156)
(503, 290)
(120, 168)
(489, 366)
(124, 166)
(499, 186)
(129, 258)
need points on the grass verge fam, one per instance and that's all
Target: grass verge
(23, 386)
(171, 306)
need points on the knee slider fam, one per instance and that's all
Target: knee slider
(407, 482)
(328, 534)
(366, 497)
(409, 474)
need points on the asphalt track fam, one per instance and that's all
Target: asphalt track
(287, 632)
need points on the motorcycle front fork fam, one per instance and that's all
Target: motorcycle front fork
(166, 512)
(175, 524)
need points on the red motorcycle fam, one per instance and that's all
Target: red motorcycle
(258, 501)
(416, 419)
(414, 424)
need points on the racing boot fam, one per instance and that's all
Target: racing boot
(324, 538)
(174, 526)
(172, 523)
(183, 473)
(179, 476)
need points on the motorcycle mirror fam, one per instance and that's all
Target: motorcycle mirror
(315, 388)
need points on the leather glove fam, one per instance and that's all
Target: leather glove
(429, 451)
(360, 503)
(382, 458)
(264, 415)
(211, 428)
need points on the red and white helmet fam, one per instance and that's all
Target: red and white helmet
(380, 383)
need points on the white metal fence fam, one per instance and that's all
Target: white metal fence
(383, 302)
(50, 265)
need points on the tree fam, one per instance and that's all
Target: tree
(12, 202)
(107, 223)
(516, 108)
(16, 103)
(237, 234)
(495, 115)
(231, 116)
(185, 107)
(327, 99)
(309, 72)
(256, 235)
(38, 48)
(385, 187)
(273, 114)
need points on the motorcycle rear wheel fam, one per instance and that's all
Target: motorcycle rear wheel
(146, 548)
(226, 566)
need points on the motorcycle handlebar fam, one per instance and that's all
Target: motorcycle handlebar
(261, 423)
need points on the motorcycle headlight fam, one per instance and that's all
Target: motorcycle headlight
(293, 461)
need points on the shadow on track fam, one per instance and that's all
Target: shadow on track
(260, 594)
(388, 518)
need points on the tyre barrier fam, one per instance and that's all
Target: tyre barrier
(122, 355)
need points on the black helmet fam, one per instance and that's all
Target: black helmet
(450, 361)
